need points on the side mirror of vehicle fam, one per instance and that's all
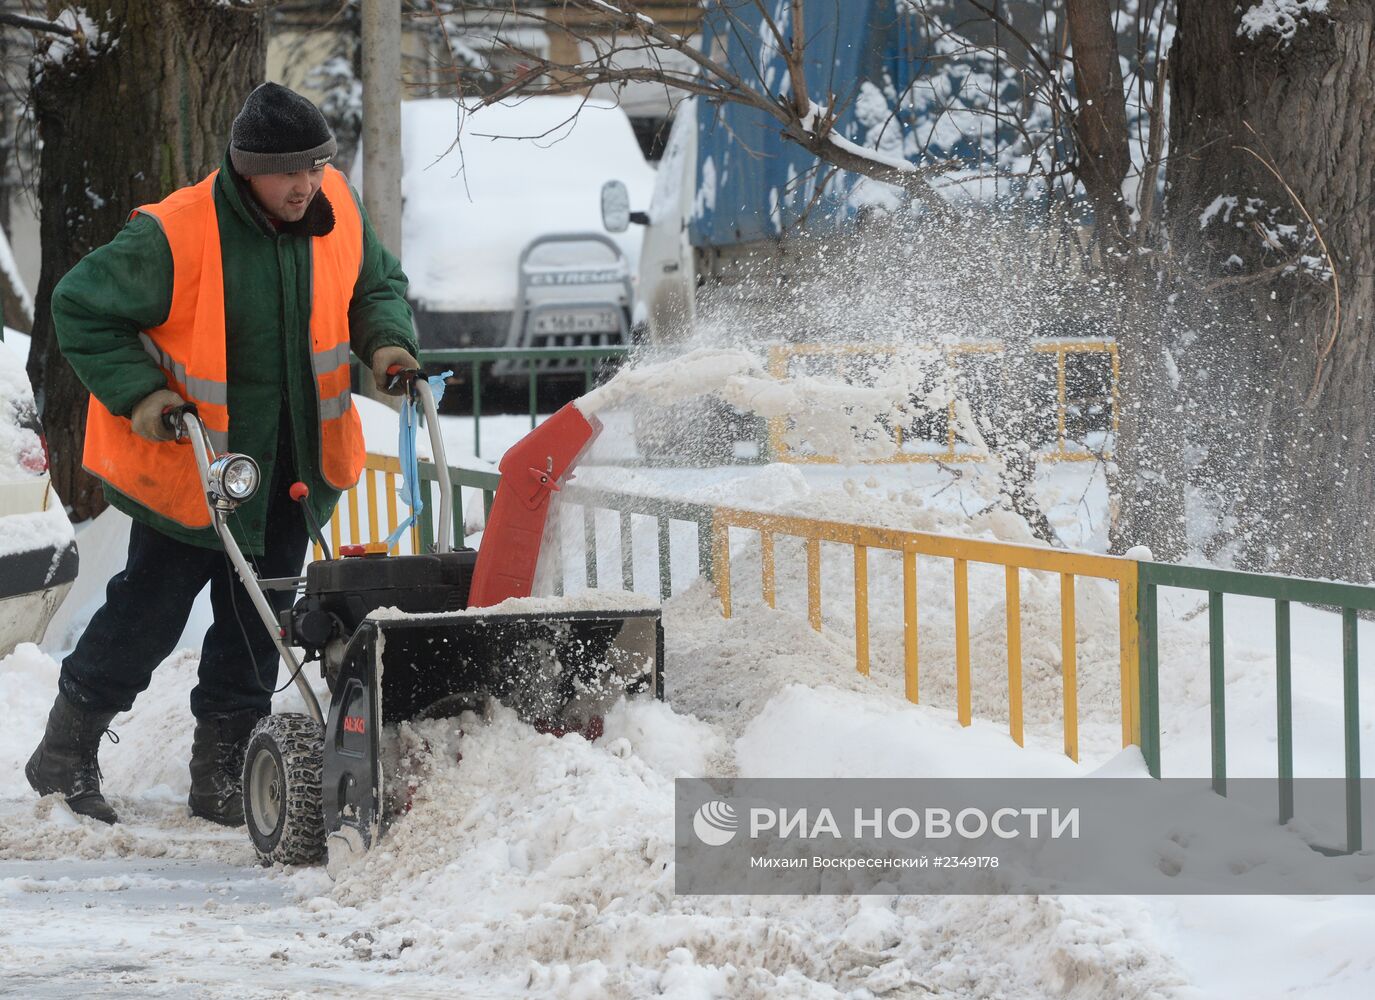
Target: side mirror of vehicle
(616, 214)
(639, 218)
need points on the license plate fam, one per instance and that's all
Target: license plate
(576, 321)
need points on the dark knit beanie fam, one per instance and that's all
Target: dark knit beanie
(279, 132)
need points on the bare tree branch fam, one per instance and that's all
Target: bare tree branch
(808, 123)
(37, 24)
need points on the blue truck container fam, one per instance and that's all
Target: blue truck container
(752, 182)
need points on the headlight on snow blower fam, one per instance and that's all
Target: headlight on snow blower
(233, 478)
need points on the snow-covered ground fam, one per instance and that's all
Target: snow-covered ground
(543, 866)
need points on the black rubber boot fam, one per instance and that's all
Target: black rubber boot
(65, 760)
(217, 750)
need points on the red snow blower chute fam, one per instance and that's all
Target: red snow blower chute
(408, 637)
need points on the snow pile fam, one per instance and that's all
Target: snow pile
(10, 269)
(21, 452)
(1283, 17)
(547, 865)
(145, 773)
(45, 529)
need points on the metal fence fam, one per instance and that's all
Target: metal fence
(1137, 584)
(961, 551)
(1284, 591)
(713, 527)
(943, 446)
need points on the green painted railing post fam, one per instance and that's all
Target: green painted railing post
(534, 395)
(627, 553)
(1218, 691)
(477, 408)
(1352, 706)
(559, 555)
(457, 487)
(1149, 671)
(589, 541)
(1284, 711)
(704, 555)
(665, 566)
(426, 514)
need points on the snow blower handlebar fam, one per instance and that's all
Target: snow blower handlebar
(228, 480)
(418, 386)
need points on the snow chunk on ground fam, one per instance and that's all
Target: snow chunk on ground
(674, 745)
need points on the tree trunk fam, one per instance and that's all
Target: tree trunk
(1100, 126)
(126, 115)
(1144, 478)
(1271, 133)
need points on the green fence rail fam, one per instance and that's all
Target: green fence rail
(474, 358)
(626, 505)
(663, 511)
(477, 479)
(1284, 591)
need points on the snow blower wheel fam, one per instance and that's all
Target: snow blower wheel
(281, 790)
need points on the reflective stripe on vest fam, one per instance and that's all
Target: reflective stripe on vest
(189, 348)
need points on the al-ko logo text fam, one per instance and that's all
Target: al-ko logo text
(716, 823)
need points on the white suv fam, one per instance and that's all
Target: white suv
(38, 558)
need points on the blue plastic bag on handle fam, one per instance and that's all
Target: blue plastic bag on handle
(412, 491)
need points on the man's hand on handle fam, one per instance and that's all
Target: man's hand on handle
(147, 415)
(384, 358)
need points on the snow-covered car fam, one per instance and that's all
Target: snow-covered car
(38, 559)
(492, 216)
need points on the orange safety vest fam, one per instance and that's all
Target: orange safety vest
(189, 347)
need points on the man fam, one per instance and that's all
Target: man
(243, 294)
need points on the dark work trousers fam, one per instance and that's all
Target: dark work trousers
(147, 606)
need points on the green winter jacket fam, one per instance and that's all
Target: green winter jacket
(124, 287)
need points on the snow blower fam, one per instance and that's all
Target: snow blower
(409, 637)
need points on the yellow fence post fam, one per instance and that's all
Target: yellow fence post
(1129, 644)
(389, 487)
(963, 687)
(814, 583)
(1014, 655)
(334, 535)
(720, 561)
(767, 563)
(1063, 398)
(370, 482)
(355, 530)
(778, 368)
(909, 624)
(862, 609)
(1068, 669)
